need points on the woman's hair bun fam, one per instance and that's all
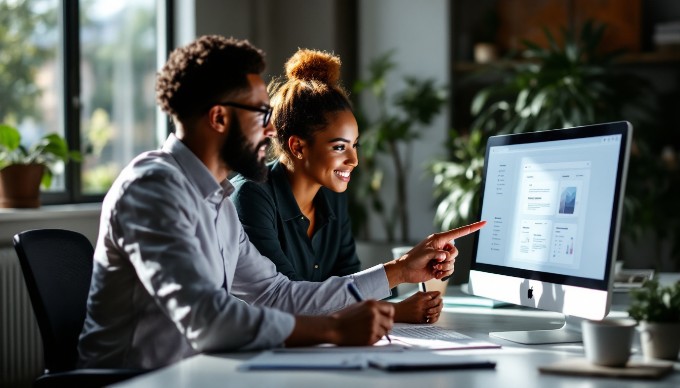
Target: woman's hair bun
(306, 65)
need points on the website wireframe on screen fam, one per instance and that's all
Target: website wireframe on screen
(549, 204)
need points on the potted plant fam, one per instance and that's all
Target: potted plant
(23, 169)
(389, 124)
(657, 310)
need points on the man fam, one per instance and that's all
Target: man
(174, 272)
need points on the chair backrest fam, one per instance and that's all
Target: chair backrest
(57, 267)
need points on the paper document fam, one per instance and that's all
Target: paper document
(381, 346)
(305, 361)
(413, 347)
(405, 336)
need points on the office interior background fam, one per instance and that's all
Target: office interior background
(86, 69)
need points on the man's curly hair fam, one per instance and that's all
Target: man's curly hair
(203, 72)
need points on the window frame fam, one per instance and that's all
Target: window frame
(71, 104)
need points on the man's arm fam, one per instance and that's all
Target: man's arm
(256, 283)
(184, 274)
(188, 287)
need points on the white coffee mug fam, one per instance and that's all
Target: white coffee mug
(608, 342)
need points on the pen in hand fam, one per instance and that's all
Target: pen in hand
(357, 295)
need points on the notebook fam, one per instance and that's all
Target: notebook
(427, 361)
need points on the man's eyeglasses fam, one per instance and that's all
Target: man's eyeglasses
(264, 109)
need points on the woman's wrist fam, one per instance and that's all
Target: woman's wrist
(394, 272)
(398, 312)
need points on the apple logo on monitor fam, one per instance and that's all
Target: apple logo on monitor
(530, 292)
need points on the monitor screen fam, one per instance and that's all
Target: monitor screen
(552, 202)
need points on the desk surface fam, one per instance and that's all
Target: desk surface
(516, 364)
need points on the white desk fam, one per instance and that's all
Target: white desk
(516, 364)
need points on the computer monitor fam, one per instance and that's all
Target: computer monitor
(552, 201)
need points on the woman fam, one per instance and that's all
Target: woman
(299, 217)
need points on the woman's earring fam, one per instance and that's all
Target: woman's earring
(299, 156)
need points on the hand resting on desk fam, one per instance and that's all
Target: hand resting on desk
(421, 307)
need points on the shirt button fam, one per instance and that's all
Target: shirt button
(316, 266)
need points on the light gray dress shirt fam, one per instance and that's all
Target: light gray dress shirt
(174, 272)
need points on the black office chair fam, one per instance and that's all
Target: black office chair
(57, 267)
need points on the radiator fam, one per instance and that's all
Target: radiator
(21, 356)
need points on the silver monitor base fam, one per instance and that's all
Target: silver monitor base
(569, 332)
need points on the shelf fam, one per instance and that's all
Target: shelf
(645, 58)
(468, 66)
(654, 57)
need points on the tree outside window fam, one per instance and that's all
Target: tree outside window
(114, 103)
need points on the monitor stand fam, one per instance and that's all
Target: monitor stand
(569, 332)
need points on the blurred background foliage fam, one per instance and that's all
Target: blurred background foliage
(573, 81)
(389, 123)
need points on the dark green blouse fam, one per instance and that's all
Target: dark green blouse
(276, 226)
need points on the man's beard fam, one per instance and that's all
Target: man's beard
(240, 157)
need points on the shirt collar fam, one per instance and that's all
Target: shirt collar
(286, 203)
(195, 171)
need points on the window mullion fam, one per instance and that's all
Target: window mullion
(72, 103)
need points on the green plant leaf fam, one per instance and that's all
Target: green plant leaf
(46, 180)
(479, 101)
(653, 303)
(10, 138)
(388, 126)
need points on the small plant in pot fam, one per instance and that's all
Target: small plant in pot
(657, 309)
(23, 169)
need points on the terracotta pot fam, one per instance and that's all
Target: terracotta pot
(660, 340)
(20, 185)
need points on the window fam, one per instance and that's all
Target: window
(86, 70)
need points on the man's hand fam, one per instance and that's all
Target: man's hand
(431, 258)
(364, 323)
(421, 307)
(361, 324)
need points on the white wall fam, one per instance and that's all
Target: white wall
(418, 31)
(277, 27)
